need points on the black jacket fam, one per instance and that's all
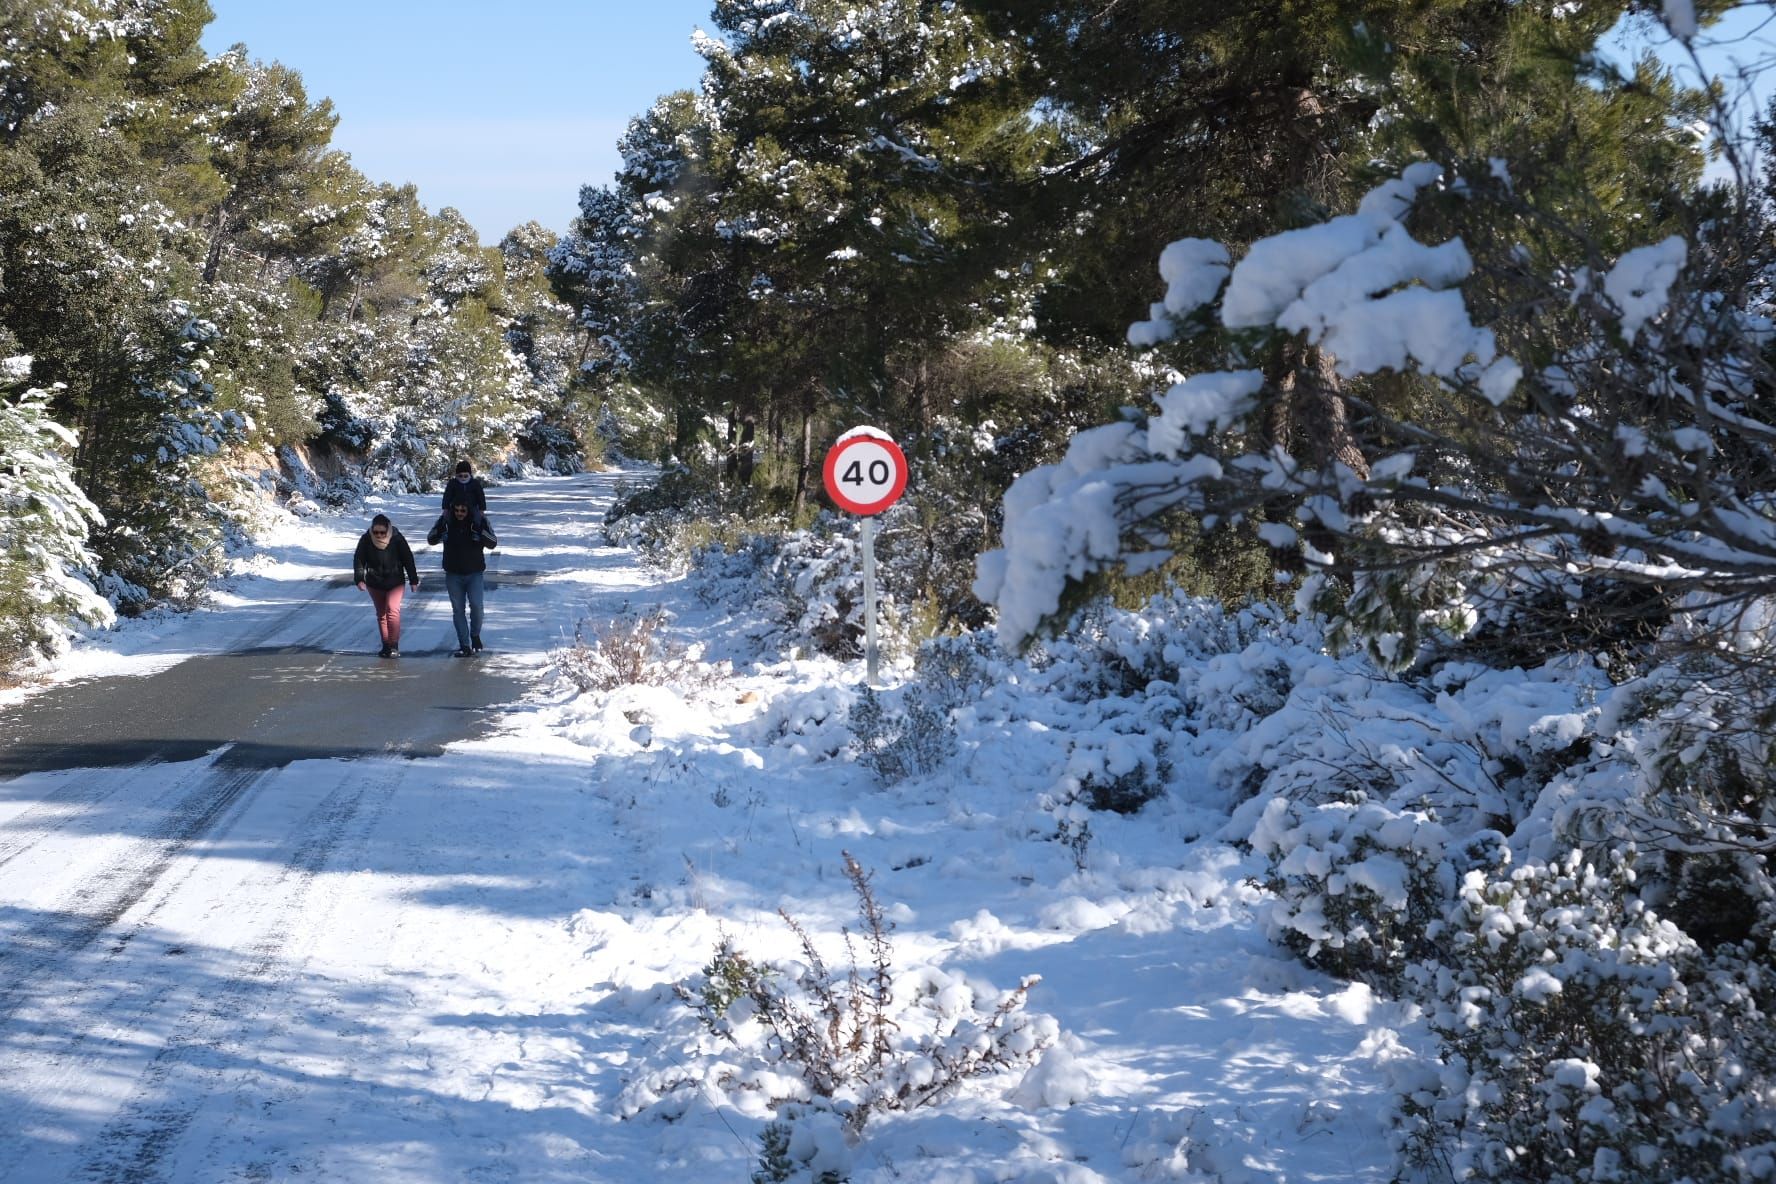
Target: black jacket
(472, 492)
(384, 567)
(466, 543)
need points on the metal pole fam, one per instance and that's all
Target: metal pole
(869, 601)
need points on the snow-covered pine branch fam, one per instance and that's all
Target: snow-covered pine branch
(1640, 454)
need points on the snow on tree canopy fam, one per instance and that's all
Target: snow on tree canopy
(1194, 270)
(1680, 18)
(1200, 404)
(1064, 520)
(1640, 282)
(1362, 288)
(1359, 286)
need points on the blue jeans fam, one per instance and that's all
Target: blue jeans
(465, 586)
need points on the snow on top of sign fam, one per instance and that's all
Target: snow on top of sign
(865, 430)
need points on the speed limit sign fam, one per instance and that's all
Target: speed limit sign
(865, 472)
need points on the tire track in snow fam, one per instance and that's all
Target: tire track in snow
(134, 1144)
(57, 809)
(29, 960)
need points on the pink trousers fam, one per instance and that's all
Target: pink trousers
(388, 612)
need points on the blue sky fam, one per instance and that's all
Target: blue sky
(502, 110)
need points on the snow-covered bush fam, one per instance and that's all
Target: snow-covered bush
(625, 650)
(1359, 889)
(168, 524)
(1586, 1039)
(896, 744)
(1149, 687)
(1230, 666)
(552, 446)
(44, 522)
(912, 731)
(299, 480)
(809, 583)
(667, 519)
(1119, 773)
(865, 1040)
(957, 670)
(805, 1144)
(818, 577)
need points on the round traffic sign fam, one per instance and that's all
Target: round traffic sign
(865, 472)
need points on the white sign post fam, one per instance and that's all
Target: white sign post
(866, 472)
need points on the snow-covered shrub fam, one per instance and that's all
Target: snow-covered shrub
(805, 1145)
(44, 522)
(737, 573)
(819, 575)
(728, 977)
(1191, 1144)
(1178, 676)
(342, 422)
(666, 519)
(167, 522)
(1682, 769)
(913, 732)
(1232, 665)
(956, 671)
(897, 744)
(341, 487)
(1584, 1038)
(809, 583)
(1123, 774)
(1477, 748)
(625, 650)
(1360, 889)
(928, 540)
(552, 446)
(865, 1040)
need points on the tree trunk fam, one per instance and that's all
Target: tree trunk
(922, 396)
(805, 462)
(1309, 419)
(687, 419)
(213, 259)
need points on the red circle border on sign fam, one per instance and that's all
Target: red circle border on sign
(865, 509)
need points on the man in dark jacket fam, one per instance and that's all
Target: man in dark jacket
(467, 538)
(382, 559)
(466, 487)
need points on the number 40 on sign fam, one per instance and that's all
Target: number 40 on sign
(865, 473)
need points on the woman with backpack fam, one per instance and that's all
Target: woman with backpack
(382, 564)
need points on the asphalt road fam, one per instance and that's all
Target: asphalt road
(321, 695)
